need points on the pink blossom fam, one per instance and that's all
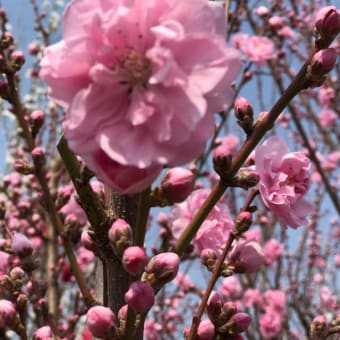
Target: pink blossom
(72, 207)
(132, 76)
(326, 94)
(328, 301)
(258, 49)
(152, 330)
(270, 324)
(246, 257)
(7, 313)
(253, 234)
(327, 117)
(275, 300)
(213, 232)
(183, 281)
(43, 333)
(252, 297)
(284, 180)
(229, 144)
(230, 287)
(4, 257)
(272, 251)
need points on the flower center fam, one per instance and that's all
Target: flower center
(137, 69)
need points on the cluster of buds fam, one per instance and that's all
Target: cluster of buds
(225, 317)
(175, 187)
(326, 28)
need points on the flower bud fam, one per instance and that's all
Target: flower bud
(134, 260)
(122, 313)
(247, 179)
(244, 114)
(23, 167)
(21, 245)
(318, 326)
(140, 297)
(246, 257)
(243, 222)
(17, 60)
(33, 49)
(7, 314)
(163, 267)
(6, 40)
(222, 160)
(38, 155)
(205, 330)
(87, 241)
(208, 258)
(238, 323)
(100, 321)
(43, 333)
(17, 274)
(120, 236)
(37, 118)
(327, 23)
(322, 62)
(228, 310)
(177, 184)
(214, 307)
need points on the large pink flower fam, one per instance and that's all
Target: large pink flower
(215, 229)
(284, 180)
(140, 81)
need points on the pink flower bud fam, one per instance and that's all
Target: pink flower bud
(318, 325)
(18, 59)
(327, 22)
(228, 310)
(37, 118)
(38, 155)
(17, 273)
(323, 62)
(134, 260)
(43, 333)
(21, 245)
(243, 222)
(7, 314)
(164, 267)
(206, 330)
(246, 257)
(87, 241)
(120, 236)
(214, 307)
(122, 313)
(177, 184)
(208, 257)
(222, 158)
(238, 323)
(33, 48)
(100, 321)
(140, 296)
(23, 167)
(247, 179)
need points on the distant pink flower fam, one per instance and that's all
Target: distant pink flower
(275, 300)
(152, 330)
(4, 257)
(328, 301)
(43, 333)
(229, 144)
(213, 232)
(230, 287)
(252, 297)
(284, 180)
(272, 251)
(258, 49)
(140, 81)
(327, 117)
(270, 324)
(326, 94)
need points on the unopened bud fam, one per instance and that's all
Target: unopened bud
(23, 167)
(177, 184)
(134, 260)
(327, 24)
(162, 268)
(37, 118)
(222, 159)
(17, 60)
(238, 323)
(244, 114)
(243, 222)
(38, 155)
(21, 245)
(7, 314)
(318, 326)
(322, 62)
(33, 49)
(246, 179)
(100, 321)
(208, 258)
(87, 241)
(17, 274)
(140, 297)
(6, 40)
(205, 330)
(43, 333)
(214, 308)
(120, 236)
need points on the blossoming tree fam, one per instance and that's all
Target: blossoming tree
(171, 171)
